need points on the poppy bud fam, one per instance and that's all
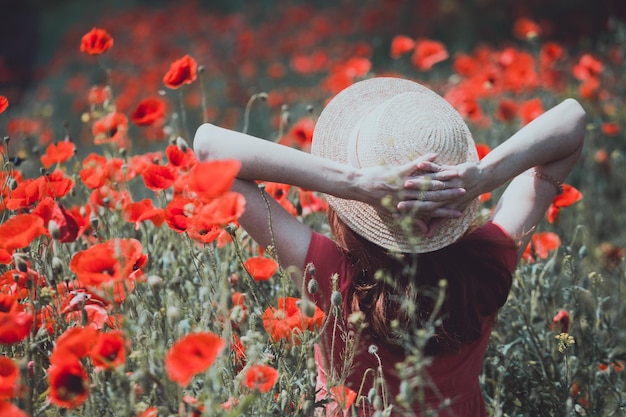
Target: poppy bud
(155, 281)
(182, 144)
(336, 298)
(262, 96)
(12, 183)
(312, 286)
(6, 139)
(93, 221)
(20, 262)
(307, 307)
(53, 229)
(57, 266)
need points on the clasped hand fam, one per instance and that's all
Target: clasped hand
(427, 191)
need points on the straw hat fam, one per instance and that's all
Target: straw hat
(391, 121)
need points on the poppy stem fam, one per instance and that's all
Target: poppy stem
(183, 130)
(205, 118)
(246, 115)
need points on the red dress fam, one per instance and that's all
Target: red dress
(451, 377)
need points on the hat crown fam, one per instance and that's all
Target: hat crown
(408, 126)
(391, 121)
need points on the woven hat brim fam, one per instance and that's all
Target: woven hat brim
(330, 140)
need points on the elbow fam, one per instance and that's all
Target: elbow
(202, 142)
(577, 117)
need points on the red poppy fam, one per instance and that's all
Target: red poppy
(8, 409)
(526, 29)
(288, 319)
(311, 202)
(20, 230)
(57, 154)
(65, 226)
(569, 196)
(401, 45)
(99, 95)
(210, 179)
(261, 268)
(96, 42)
(111, 128)
(179, 158)
(466, 65)
(192, 354)
(610, 128)
(68, 384)
(9, 374)
(550, 53)
(222, 210)
(158, 177)
(113, 261)
(530, 110)
(615, 366)
(541, 245)
(73, 345)
(587, 68)
(506, 111)
(141, 211)
(149, 412)
(109, 351)
(260, 377)
(428, 53)
(182, 71)
(150, 111)
(4, 104)
(15, 323)
(482, 150)
(343, 396)
(300, 135)
(589, 88)
(561, 318)
(179, 212)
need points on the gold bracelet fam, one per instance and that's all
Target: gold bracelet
(558, 185)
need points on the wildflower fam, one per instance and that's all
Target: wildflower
(506, 111)
(96, 42)
(61, 225)
(73, 345)
(150, 111)
(261, 268)
(177, 157)
(9, 375)
(261, 378)
(111, 128)
(57, 154)
(20, 230)
(179, 211)
(109, 350)
(482, 150)
(182, 71)
(158, 177)
(141, 211)
(562, 320)
(530, 110)
(149, 412)
(428, 53)
(98, 95)
(4, 104)
(112, 261)
(68, 384)
(610, 128)
(210, 179)
(569, 196)
(400, 45)
(343, 396)
(192, 354)
(287, 320)
(220, 211)
(587, 68)
(9, 409)
(565, 340)
(540, 246)
(526, 29)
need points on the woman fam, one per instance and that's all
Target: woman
(402, 177)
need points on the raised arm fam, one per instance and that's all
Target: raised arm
(535, 158)
(263, 160)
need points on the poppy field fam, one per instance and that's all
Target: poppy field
(127, 287)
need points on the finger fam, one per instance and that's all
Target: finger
(423, 226)
(426, 183)
(414, 165)
(433, 226)
(436, 196)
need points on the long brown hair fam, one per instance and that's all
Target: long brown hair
(384, 282)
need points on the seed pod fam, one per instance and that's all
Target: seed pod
(336, 298)
(312, 286)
